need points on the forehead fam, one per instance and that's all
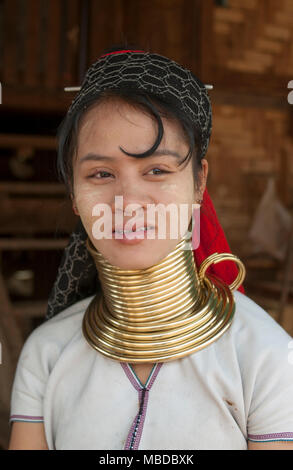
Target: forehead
(116, 122)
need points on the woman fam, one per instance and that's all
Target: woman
(147, 350)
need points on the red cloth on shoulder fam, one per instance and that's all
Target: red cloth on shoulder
(213, 240)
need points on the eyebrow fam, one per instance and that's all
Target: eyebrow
(96, 157)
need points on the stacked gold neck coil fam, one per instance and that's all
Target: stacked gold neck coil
(161, 313)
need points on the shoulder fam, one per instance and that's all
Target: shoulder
(263, 349)
(256, 335)
(62, 326)
(49, 339)
(251, 317)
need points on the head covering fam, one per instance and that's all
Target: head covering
(77, 276)
(150, 74)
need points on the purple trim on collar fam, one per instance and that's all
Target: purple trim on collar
(274, 436)
(143, 415)
(135, 380)
(153, 376)
(26, 417)
(130, 375)
(135, 433)
(137, 426)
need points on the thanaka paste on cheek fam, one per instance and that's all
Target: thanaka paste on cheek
(86, 200)
(168, 187)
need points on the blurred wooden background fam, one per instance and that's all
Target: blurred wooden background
(243, 48)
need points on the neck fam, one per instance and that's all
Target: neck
(163, 290)
(156, 314)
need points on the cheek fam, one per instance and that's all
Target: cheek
(178, 193)
(169, 187)
(86, 193)
(183, 196)
(87, 201)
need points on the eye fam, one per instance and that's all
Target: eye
(103, 173)
(160, 171)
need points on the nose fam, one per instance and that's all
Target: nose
(129, 193)
(130, 200)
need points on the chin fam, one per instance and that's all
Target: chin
(132, 264)
(138, 259)
(140, 256)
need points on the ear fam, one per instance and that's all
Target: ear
(203, 174)
(202, 179)
(74, 207)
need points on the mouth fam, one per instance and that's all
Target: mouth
(136, 230)
(137, 233)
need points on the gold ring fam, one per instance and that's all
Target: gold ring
(217, 258)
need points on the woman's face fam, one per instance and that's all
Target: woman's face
(143, 182)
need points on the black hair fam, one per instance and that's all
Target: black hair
(152, 104)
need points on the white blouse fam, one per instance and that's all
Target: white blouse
(238, 388)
